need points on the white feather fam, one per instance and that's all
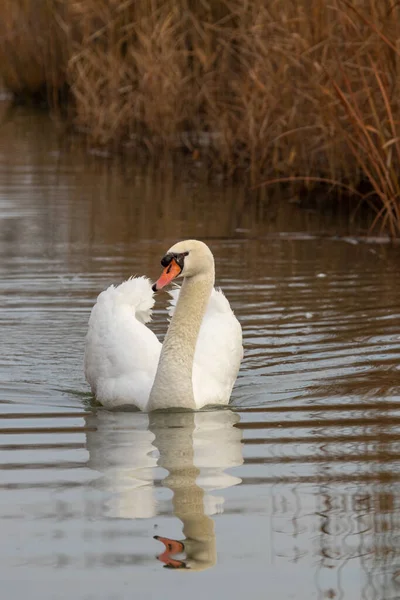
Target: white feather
(122, 353)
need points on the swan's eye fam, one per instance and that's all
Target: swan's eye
(180, 258)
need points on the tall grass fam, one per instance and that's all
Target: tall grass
(33, 49)
(272, 89)
(372, 127)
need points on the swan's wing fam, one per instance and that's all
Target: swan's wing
(121, 353)
(120, 448)
(219, 351)
(217, 448)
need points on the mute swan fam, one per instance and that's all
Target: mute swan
(196, 451)
(200, 358)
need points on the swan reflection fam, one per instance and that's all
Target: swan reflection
(131, 451)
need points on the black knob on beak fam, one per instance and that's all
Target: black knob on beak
(166, 260)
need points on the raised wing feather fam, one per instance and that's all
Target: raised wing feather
(121, 353)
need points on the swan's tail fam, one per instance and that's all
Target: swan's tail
(136, 292)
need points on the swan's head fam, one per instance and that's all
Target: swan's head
(185, 259)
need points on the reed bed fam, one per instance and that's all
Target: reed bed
(33, 52)
(302, 91)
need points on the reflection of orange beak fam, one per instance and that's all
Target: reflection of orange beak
(171, 547)
(169, 273)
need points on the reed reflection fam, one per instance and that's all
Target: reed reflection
(194, 448)
(358, 537)
(334, 497)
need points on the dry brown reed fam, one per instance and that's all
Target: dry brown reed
(372, 129)
(33, 49)
(276, 89)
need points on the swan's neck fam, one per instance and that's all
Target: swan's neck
(173, 385)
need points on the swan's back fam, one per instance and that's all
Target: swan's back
(121, 353)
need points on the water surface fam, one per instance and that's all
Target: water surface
(292, 492)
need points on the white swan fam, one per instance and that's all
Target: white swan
(196, 452)
(199, 360)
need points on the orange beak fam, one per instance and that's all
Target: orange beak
(171, 547)
(168, 275)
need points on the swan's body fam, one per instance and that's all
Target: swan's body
(198, 363)
(197, 452)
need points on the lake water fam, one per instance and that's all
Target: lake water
(293, 492)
